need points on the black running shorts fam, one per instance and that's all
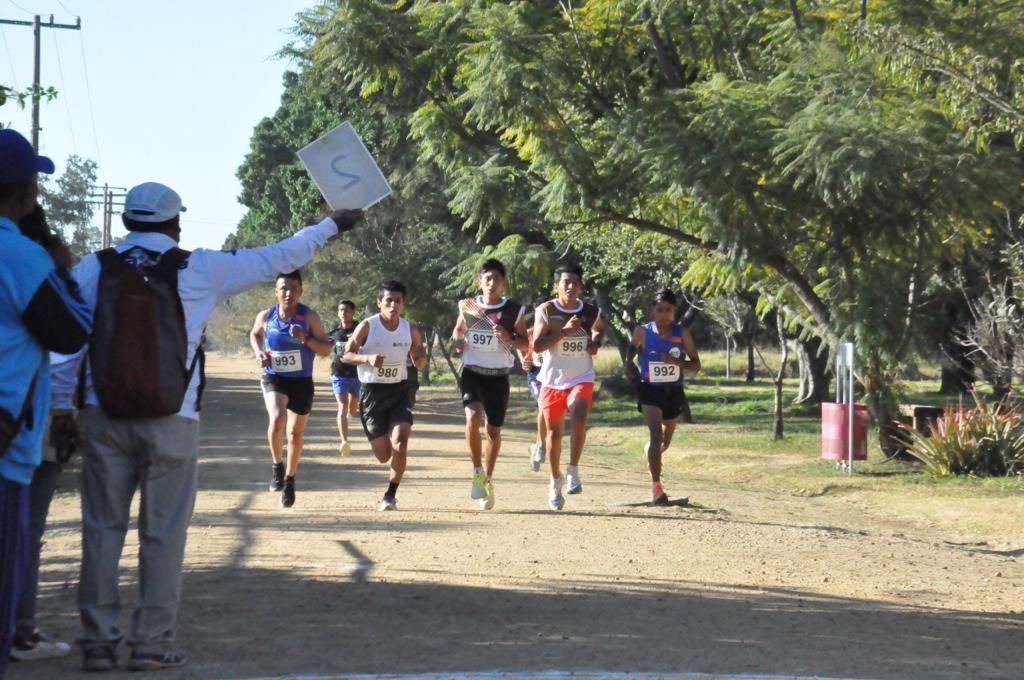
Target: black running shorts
(382, 406)
(298, 390)
(669, 398)
(489, 390)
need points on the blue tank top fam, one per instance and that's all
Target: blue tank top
(289, 358)
(652, 369)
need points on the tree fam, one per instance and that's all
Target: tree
(69, 207)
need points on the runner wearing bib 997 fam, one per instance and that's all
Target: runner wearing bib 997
(666, 349)
(568, 331)
(489, 328)
(380, 347)
(286, 338)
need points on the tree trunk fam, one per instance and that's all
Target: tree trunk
(778, 429)
(728, 357)
(448, 358)
(610, 315)
(814, 380)
(684, 412)
(425, 373)
(751, 333)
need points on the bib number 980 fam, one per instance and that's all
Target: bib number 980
(387, 374)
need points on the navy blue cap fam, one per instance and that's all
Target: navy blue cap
(18, 160)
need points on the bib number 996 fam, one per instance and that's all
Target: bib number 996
(574, 347)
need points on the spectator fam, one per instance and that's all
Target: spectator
(158, 456)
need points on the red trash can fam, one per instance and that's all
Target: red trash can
(835, 431)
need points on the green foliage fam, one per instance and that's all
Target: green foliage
(69, 207)
(984, 441)
(528, 265)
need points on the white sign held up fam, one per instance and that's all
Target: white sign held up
(344, 170)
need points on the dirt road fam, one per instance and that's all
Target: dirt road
(740, 582)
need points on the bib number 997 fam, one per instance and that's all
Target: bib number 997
(483, 341)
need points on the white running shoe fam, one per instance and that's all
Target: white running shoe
(345, 449)
(572, 474)
(537, 456)
(478, 492)
(387, 503)
(555, 498)
(487, 502)
(38, 646)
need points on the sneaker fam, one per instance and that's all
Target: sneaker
(572, 475)
(537, 456)
(155, 661)
(277, 478)
(555, 498)
(477, 492)
(345, 449)
(99, 659)
(487, 502)
(388, 503)
(288, 493)
(37, 646)
(658, 495)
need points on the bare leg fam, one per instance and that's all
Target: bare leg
(277, 405)
(668, 428)
(492, 448)
(342, 417)
(542, 428)
(652, 418)
(474, 416)
(296, 429)
(579, 410)
(556, 428)
(399, 443)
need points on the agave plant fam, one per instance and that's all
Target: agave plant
(984, 441)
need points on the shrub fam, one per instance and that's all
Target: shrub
(984, 441)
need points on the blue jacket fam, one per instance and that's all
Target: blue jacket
(39, 311)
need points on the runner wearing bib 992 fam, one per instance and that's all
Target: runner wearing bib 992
(568, 331)
(380, 347)
(489, 328)
(666, 349)
(286, 338)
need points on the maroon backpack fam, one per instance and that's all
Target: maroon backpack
(139, 345)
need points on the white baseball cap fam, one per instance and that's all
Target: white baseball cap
(152, 202)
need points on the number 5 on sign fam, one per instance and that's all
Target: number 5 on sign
(344, 170)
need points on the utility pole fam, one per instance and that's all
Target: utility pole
(109, 198)
(37, 27)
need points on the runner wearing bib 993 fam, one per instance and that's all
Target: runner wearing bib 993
(286, 338)
(489, 328)
(568, 331)
(380, 347)
(666, 349)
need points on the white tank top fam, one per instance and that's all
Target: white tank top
(482, 347)
(567, 362)
(394, 345)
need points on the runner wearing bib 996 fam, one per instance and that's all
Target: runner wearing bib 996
(568, 331)
(380, 347)
(286, 338)
(489, 328)
(666, 349)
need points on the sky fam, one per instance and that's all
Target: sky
(154, 90)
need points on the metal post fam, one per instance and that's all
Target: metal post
(844, 393)
(36, 33)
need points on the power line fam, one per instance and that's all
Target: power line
(88, 96)
(64, 7)
(64, 96)
(10, 61)
(27, 11)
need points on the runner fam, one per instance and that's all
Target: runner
(286, 338)
(380, 347)
(532, 362)
(568, 331)
(344, 377)
(489, 327)
(666, 349)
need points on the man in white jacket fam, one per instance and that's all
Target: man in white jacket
(158, 455)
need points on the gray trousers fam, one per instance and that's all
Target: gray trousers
(159, 456)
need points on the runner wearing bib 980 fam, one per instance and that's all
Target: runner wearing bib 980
(568, 331)
(487, 331)
(286, 338)
(379, 347)
(666, 349)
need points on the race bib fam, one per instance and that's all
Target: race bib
(573, 347)
(483, 341)
(288, 361)
(388, 373)
(660, 372)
